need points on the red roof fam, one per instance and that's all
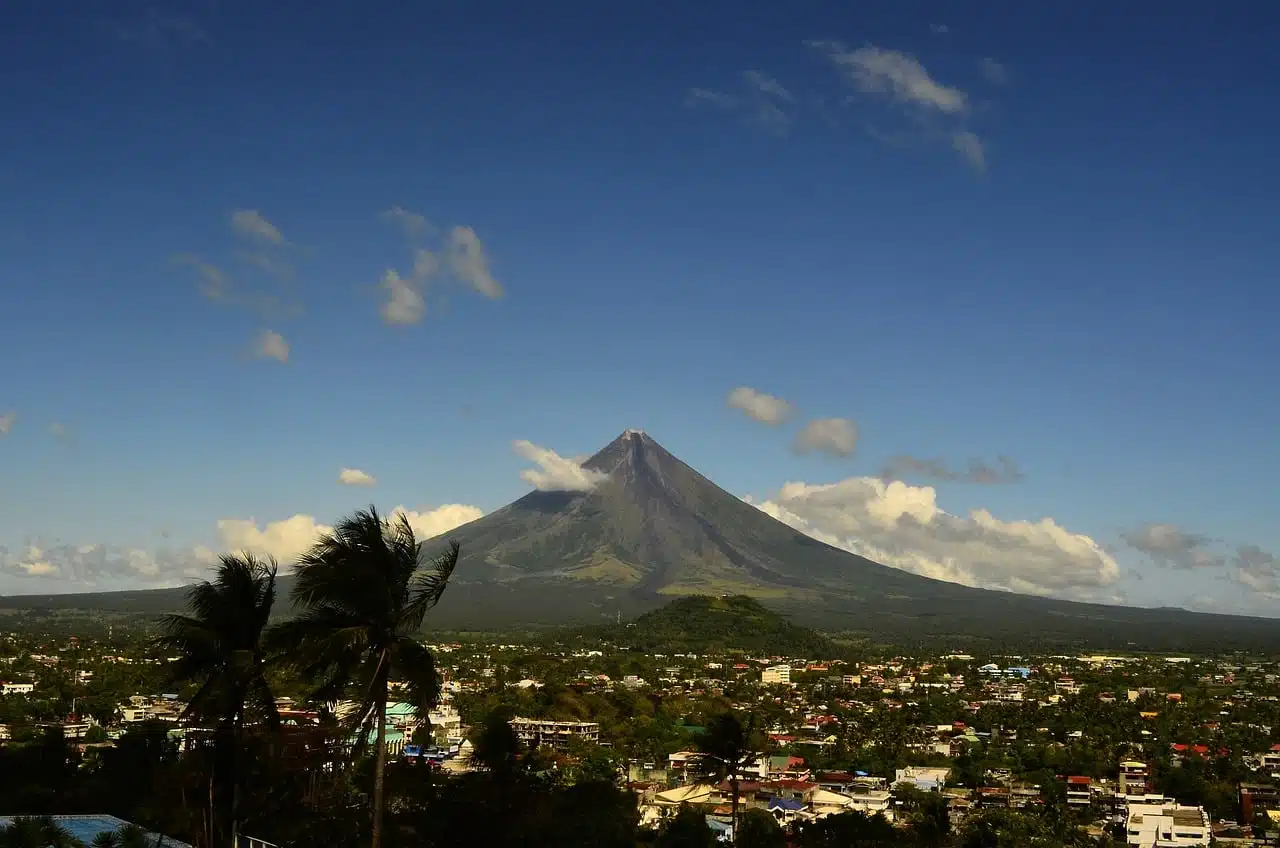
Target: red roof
(1078, 780)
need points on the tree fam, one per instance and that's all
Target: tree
(758, 829)
(726, 752)
(41, 832)
(364, 589)
(220, 645)
(686, 829)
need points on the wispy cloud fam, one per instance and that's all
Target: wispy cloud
(980, 472)
(833, 436)
(270, 345)
(761, 98)
(939, 29)
(891, 73)
(7, 421)
(460, 255)
(251, 224)
(764, 408)
(932, 109)
(970, 148)
(263, 269)
(996, 73)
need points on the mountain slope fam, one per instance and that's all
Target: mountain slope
(705, 624)
(652, 528)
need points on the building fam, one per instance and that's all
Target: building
(1258, 798)
(539, 733)
(1166, 826)
(776, 674)
(17, 688)
(1078, 791)
(924, 778)
(1134, 778)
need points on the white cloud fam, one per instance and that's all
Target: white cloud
(555, 473)
(939, 29)
(289, 538)
(996, 73)
(970, 148)
(902, 526)
(103, 566)
(7, 421)
(764, 408)
(251, 224)
(404, 302)
(897, 75)
(834, 436)
(470, 262)
(270, 345)
(356, 477)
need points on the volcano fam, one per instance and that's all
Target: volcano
(649, 529)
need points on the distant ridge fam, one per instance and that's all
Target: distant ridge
(654, 529)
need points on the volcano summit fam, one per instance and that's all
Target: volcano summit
(635, 527)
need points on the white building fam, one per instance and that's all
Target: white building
(1166, 826)
(17, 688)
(776, 674)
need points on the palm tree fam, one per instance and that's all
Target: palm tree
(106, 839)
(36, 832)
(363, 590)
(221, 645)
(726, 751)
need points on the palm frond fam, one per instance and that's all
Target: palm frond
(428, 587)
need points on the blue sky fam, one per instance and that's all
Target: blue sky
(1043, 232)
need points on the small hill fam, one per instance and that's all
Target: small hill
(704, 624)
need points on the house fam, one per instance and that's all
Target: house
(1256, 798)
(17, 688)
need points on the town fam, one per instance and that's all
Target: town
(866, 743)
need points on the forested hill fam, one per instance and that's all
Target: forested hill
(705, 624)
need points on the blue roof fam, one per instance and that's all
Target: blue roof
(785, 804)
(85, 828)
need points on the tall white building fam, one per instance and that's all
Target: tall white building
(776, 674)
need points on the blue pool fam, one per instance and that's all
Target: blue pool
(85, 828)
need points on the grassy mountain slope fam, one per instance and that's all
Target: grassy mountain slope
(706, 624)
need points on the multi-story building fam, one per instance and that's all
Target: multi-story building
(540, 733)
(1078, 790)
(1134, 778)
(776, 674)
(1166, 826)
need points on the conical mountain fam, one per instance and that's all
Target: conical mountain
(651, 525)
(649, 528)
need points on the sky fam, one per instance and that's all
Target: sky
(984, 292)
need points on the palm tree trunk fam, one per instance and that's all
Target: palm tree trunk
(234, 757)
(733, 813)
(380, 767)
